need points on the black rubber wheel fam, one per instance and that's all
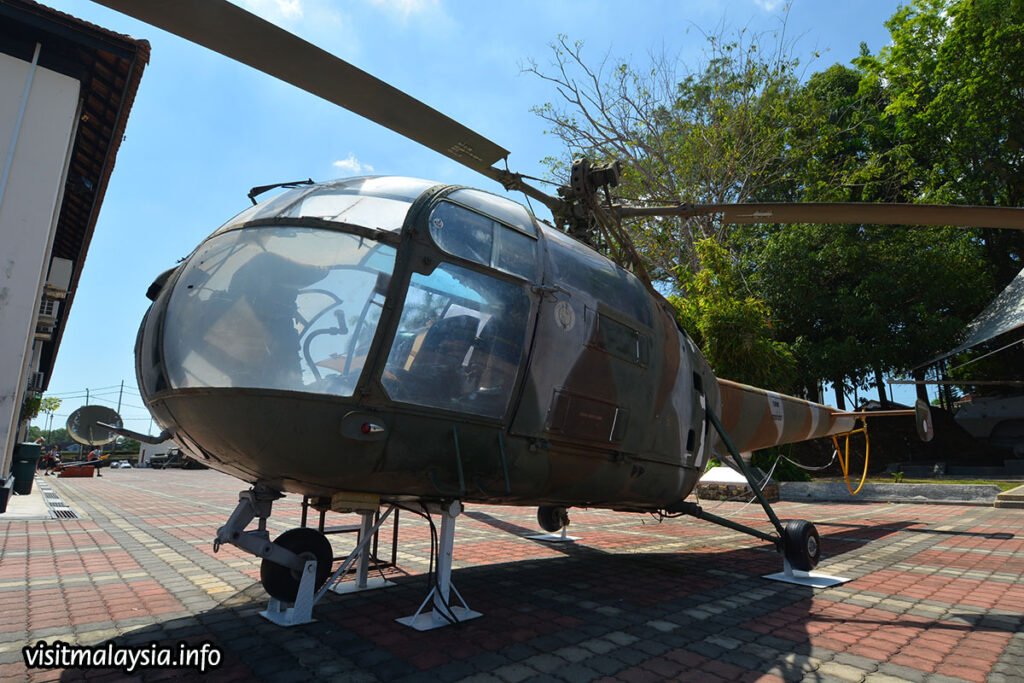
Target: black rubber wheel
(802, 545)
(551, 518)
(309, 544)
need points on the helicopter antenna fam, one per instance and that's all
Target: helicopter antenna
(260, 189)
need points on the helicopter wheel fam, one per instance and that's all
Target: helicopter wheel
(801, 545)
(309, 544)
(551, 518)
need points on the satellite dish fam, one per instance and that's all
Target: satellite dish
(91, 425)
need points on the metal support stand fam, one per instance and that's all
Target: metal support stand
(812, 579)
(444, 613)
(364, 550)
(765, 505)
(562, 537)
(788, 575)
(283, 614)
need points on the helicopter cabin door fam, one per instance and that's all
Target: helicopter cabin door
(463, 331)
(592, 380)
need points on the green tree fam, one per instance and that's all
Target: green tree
(49, 405)
(733, 329)
(711, 134)
(935, 116)
(56, 436)
(954, 77)
(858, 302)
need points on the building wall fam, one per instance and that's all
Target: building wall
(38, 117)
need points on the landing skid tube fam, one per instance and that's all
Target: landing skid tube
(797, 541)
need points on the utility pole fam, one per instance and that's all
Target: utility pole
(119, 394)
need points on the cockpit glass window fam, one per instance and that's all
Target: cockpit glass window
(462, 233)
(504, 210)
(584, 269)
(473, 236)
(371, 202)
(277, 308)
(345, 207)
(459, 342)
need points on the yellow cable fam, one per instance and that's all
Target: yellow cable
(844, 456)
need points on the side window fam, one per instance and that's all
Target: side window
(463, 233)
(459, 342)
(586, 270)
(618, 339)
(478, 238)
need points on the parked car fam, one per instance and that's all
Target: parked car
(175, 459)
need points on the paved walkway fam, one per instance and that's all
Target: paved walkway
(937, 594)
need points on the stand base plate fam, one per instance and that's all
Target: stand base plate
(286, 617)
(428, 621)
(347, 587)
(553, 538)
(812, 579)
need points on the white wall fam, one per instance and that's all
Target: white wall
(35, 147)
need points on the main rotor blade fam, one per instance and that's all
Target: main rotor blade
(851, 213)
(244, 37)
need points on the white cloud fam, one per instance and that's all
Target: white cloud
(320, 22)
(769, 5)
(407, 8)
(285, 11)
(351, 164)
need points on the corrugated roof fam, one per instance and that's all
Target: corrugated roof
(1004, 314)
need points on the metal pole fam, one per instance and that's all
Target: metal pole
(363, 568)
(746, 472)
(446, 544)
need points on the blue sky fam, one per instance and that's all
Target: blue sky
(204, 129)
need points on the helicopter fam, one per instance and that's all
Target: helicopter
(400, 343)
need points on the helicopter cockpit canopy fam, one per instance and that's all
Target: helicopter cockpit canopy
(378, 202)
(289, 295)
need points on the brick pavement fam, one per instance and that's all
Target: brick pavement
(936, 594)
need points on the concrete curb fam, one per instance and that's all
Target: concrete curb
(959, 494)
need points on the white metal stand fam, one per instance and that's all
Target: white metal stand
(302, 611)
(444, 613)
(362, 582)
(563, 537)
(801, 578)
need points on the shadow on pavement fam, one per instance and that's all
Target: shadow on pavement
(589, 614)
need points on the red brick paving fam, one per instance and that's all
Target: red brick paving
(919, 609)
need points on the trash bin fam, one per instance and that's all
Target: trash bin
(26, 456)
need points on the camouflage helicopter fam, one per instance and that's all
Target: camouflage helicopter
(391, 341)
